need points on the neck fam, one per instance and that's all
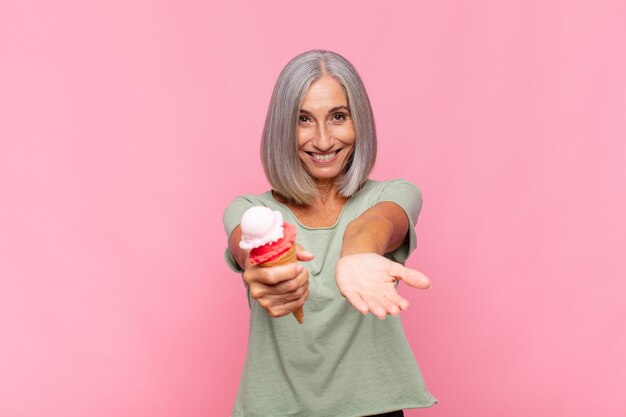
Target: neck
(327, 192)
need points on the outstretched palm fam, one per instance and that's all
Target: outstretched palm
(368, 281)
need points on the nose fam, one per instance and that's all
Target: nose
(322, 139)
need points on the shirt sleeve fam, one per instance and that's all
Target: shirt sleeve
(231, 219)
(409, 197)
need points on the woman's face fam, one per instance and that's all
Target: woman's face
(325, 131)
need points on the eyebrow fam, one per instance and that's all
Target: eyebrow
(329, 111)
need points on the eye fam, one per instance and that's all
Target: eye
(342, 116)
(303, 118)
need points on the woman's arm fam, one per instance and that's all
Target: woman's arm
(239, 254)
(381, 229)
(364, 276)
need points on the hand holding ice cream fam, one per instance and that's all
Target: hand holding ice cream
(271, 242)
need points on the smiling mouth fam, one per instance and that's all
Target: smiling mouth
(324, 157)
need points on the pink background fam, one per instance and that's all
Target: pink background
(127, 127)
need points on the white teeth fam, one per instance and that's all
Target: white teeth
(325, 157)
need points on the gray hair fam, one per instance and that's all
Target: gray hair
(279, 148)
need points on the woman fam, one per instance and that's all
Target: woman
(318, 148)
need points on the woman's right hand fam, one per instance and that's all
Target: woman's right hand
(279, 289)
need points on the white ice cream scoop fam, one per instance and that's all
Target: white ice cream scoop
(259, 226)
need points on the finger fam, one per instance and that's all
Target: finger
(388, 305)
(300, 302)
(290, 285)
(397, 299)
(302, 254)
(297, 299)
(412, 277)
(277, 311)
(393, 302)
(276, 274)
(282, 309)
(258, 290)
(286, 297)
(375, 307)
(356, 300)
(299, 283)
(386, 299)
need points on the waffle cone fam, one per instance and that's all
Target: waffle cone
(284, 259)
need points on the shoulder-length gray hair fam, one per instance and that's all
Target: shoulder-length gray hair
(279, 147)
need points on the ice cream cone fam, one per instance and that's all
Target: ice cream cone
(270, 240)
(284, 259)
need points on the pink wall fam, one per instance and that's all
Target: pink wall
(125, 128)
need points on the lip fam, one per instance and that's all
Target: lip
(330, 161)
